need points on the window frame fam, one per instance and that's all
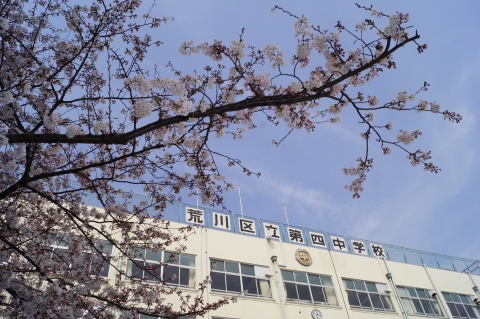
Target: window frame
(241, 275)
(57, 244)
(429, 298)
(140, 261)
(368, 293)
(310, 285)
(470, 298)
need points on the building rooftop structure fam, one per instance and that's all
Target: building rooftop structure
(275, 270)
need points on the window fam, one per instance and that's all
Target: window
(172, 268)
(304, 287)
(461, 306)
(62, 261)
(240, 278)
(419, 301)
(367, 295)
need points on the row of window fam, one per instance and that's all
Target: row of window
(252, 280)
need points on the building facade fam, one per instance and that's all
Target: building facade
(278, 271)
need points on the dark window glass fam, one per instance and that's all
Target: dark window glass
(470, 311)
(359, 285)
(348, 284)
(421, 293)
(217, 265)
(371, 287)
(318, 295)
(137, 272)
(364, 300)
(185, 276)
(291, 290)
(231, 267)
(455, 297)
(427, 306)
(233, 283)
(313, 279)
(249, 285)
(287, 275)
(301, 277)
(462, 311)
(387, 302)
(464, 299)
(447, 297)
(171, 274)
(248, 270)
(353, 299)
(218, 281)
(453, 309)
(418, 306)
(327, 281)
(304, 292)
(411, 292)
(105, 268)
(376, 301)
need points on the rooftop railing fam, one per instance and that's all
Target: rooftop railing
(177, 212)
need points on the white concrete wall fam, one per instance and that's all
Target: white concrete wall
(209, 243)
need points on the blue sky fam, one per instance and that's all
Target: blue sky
(401, 205)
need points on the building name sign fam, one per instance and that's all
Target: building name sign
(272, 231)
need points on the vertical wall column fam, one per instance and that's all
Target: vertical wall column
(440, 300)
(395, 291)
(475, 287)
(280, 290)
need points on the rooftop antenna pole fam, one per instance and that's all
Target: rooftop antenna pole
(286, 216)
(197, 197)
(240, 196)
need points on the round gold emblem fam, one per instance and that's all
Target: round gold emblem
(303, 257)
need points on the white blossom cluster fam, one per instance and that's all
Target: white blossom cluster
(4, 25)
(176, 87)
(9, 166)
(336, 108)
(335, 119)
(393, 28)
(51, 121)
(274, 55)
(372, 100)
(313, 84)
(72, 130)
(141, 109)
(302, 53)
(3, 140)
(320, 42)
(54, 150)
(435, 107)
(361, 26)
(182, 106)
(238, 49)
(187, 48)
(301, 26)
(407, 138)
(140, 84)
(422, 106)
(99, 127)
(261, 80)
(212, 51)
(369, 117)
(295, 87)
(6, 97)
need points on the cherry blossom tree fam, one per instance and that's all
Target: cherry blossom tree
(82, 116)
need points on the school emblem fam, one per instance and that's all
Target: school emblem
(303, 257)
